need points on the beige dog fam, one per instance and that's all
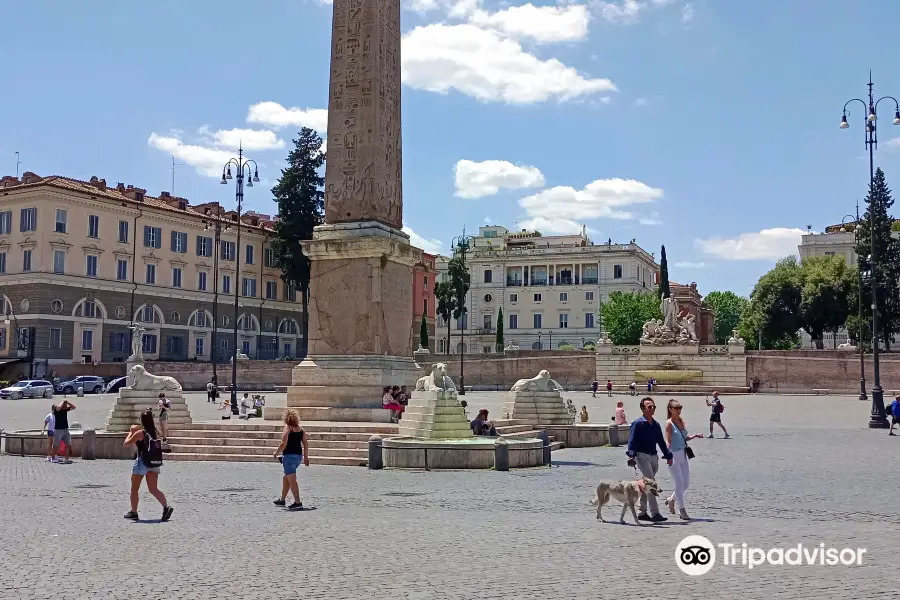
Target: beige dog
(626, 492)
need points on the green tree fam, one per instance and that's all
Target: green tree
(459, 284)
(728, 308)
(775, 303)
(300, 196)
(663, 290)
(423, 333)
(625, 313)
(446, 305)
(500, 330)
(887, 252)
(827, 284)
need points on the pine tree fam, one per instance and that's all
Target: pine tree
(887, 253)
(500, 331)
(423, 334)
(300, 196)
(664, 291)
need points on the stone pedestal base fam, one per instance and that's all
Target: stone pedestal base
(435, 415)
(131, 403)
(540, 408)
(346, 388)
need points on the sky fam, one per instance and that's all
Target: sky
(707, 126)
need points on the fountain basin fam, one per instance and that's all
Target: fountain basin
(405, 452)
(669, 375)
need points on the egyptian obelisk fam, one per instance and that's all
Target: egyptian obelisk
(362, 263)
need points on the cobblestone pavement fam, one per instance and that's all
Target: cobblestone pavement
(797, 470)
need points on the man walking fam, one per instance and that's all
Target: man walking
(594, 387)
(644, 437)
(716, 416)
(895, 414)
(61, 431)
(609, 387)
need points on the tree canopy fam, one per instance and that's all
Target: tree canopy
(625, 313)
(446, 305)
(664, 291)
(728, 308)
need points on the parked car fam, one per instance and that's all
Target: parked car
(27, 388)
(90, 383)
(115, 385)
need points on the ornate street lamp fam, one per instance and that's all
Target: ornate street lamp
(878, 418)
(244, 167)
(461, 245)
(862, 364)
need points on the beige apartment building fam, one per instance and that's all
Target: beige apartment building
(549, 288)
(82, 261)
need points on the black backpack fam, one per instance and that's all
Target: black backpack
(151, 452)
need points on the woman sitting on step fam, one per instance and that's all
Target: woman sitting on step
(389, 402)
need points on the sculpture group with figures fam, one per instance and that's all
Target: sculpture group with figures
(137, 343)
(670, 330)
(736, 339)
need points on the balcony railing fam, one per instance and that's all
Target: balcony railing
(513, 282)
(590, 280)
(538, 282)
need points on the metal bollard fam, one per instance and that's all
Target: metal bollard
(546, 440)
(501, 454)
(89, 444)
(614, 435)
(376, 460)
(80, 392)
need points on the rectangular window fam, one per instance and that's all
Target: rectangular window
(249, 288)
(537, 321)
(269, 258)
(87, 339)
(425, 306)
(56, 338)
(513, 321)
(204, 246)
(148, 314)
(2, 339)
(226, 284)
(93, 226)
(28, 219)
(26, 260)
(121, 270)
(488, 276)
(462, 322)
(198, 347)
(245, 347)
(271, 290)
(227, 251)
(589, 296)
(175, 345)
(5, 222)
(118, 341)
(176, 277)
(91, 269)
(537, 297)
(2, 262)
(564, 296)
(201, 281)
(123, 232)
(61, 220)
(589, 320)
(617, 271)
(148, 343)
(88, 309)
(201, 319)
(290, 293)
(179, 242)
(59, 261)
(152, 237)
(248, 258)
(425, 282)
(487, 321)
(513, 298)
(288, 348)
(563, 321)
(151, 275)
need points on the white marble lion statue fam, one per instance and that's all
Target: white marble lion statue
(422, 382)
(438, 380)
(540, 383)
(140, 379)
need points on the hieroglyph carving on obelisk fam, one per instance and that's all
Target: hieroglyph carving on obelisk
(363, 173)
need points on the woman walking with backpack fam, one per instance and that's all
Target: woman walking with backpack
(147, 464)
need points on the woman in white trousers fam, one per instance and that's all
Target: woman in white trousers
(677, 438)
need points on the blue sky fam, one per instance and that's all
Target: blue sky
(709, 126)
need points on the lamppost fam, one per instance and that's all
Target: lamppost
(213, 350)
(878, 418)
(240, 165)
(460, 245)
(862, 364)
(540, 347)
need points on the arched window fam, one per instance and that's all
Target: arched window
(537, 346)
(201, 319)
(462, 348)
(288, 327)
(89, 308)
(248, 322)
(149, 313)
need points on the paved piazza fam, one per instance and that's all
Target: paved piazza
(798, 470)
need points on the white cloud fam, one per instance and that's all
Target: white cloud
(767, 244)
(542, 24)
(488, 221)
(208, 161)
(276, 115)
(686, 264)
(603, 198)
(249, 139)
(483, 64)
(479, 179)
(651, 219)
(429, 245)
(626, 11)
(687, 13)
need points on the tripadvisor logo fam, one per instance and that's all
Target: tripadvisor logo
(696, 555)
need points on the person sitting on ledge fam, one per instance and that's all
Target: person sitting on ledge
(402, 395)
(389, 402)
(482, 426)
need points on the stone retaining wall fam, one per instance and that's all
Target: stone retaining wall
(573, 369)
(718, 367)
(252, 375)
(801, 371)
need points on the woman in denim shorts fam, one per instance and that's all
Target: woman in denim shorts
(294, 449)
(138, 436)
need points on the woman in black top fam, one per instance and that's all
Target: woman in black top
(294, 449)
(139, 436)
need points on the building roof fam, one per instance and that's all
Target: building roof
(97, 187)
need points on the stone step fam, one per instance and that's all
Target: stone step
(514, 428)
(556, 446)
(223, 441)
(329, 444)
(509, 422)
(226, 427)
(522, 435)
(221, 449)
(245, 435)
(313, 460)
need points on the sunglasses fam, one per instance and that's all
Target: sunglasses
(676, 408)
